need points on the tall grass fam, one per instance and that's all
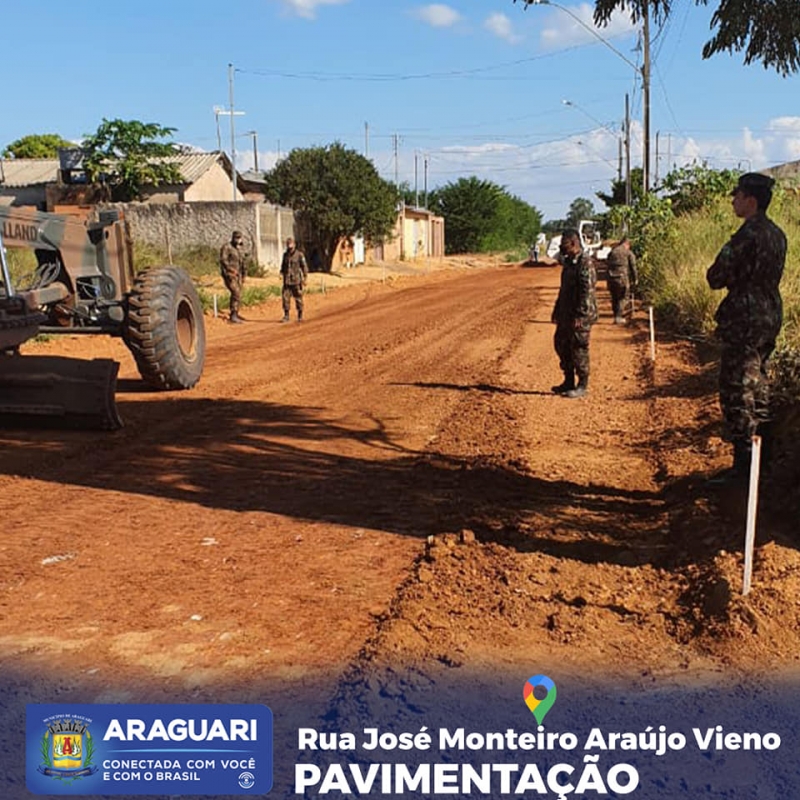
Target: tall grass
(675, 266)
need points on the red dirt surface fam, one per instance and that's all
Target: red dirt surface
(389, 484)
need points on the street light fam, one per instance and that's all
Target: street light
(644, 71)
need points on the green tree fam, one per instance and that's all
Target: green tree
(36, 145)
(339, 193)
(767, 30)
(468, 207)
(516, 224)
(697, 186)
(617, 196)
(481, 217)
(127, 155)
(580, 208)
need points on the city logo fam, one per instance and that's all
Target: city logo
(67, 749)
(539, 705)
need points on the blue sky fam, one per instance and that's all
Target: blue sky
(470, 87)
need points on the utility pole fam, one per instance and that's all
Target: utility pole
(217, 112)
(669, 153)
(619, 159)
(254, 134)
(628, 193)
(396, 181)
(646, 93)
(416, 181)
(366, 140)
(425, 183)
(655, 179)
(233, 128)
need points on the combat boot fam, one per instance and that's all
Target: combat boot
(285, 318)
(580, 390)
(567, 386)
(235, 319)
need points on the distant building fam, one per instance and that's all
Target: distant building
(418, 233)
(46, 184)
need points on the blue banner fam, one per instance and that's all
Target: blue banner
(204, 749)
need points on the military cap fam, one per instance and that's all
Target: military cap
(752, 182)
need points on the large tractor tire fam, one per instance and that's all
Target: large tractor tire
(164, 328)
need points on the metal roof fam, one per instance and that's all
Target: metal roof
(19, 172)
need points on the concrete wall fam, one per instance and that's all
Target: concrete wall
(183, 225)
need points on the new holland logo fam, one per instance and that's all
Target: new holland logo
(67, 749)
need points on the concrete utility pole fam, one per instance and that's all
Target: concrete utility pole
(425, 183)
(628, 191)
(254, 134)
(396, 181)
(416, 181)
(217, 111)
(366, 140)
(646, 92)
(655, 179)
(233, 128)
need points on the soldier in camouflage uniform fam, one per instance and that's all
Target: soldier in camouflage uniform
(574, 314)
(749, 318)
(621, 275)
(232, 260)
(295, 274)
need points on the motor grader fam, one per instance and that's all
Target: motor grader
(83, 282)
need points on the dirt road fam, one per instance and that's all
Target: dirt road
(388, 485)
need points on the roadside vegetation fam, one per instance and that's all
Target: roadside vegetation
(676, 235)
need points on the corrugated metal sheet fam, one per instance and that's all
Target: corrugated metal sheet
(194, 165)
(19, 172)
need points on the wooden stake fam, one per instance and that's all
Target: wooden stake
(652, 336)
(752, 507)
(215, 307)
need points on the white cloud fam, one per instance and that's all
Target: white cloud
(564, 30)
(308, 8)
(785, 133)
(438, 15)
(500, 25)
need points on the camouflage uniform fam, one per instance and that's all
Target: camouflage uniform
(295, 273)
(574, 314)
(749, 319)
(621, 275)
(232, 266)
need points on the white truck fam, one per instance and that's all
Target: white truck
(590, 240)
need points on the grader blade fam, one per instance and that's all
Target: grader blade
(71, 392)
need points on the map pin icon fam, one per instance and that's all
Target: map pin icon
(539, 708)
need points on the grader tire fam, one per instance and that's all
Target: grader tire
(165, 331)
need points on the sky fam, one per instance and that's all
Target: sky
(430, 92)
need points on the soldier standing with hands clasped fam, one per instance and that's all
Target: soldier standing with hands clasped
(750, 267)
(232, 259)
(295, 274)
(574, 314)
